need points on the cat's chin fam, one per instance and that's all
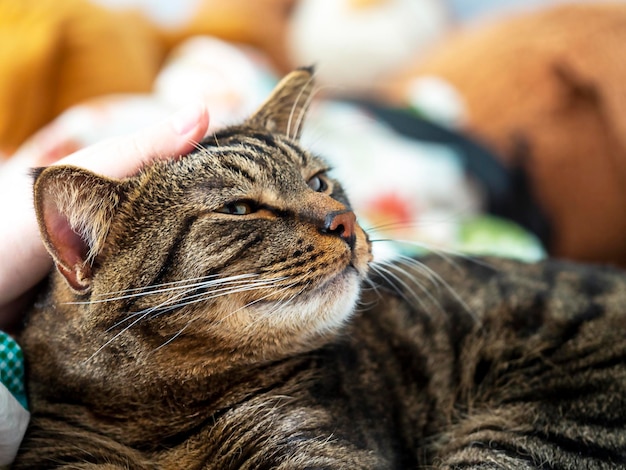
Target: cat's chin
(318, 312)
(327, 307)
(348, 276)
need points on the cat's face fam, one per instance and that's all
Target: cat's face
(246, 244)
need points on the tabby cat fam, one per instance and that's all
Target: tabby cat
(217, 311)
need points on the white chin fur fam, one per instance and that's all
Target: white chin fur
(322, 311)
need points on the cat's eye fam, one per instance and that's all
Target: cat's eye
(318, 183)
(237, 208)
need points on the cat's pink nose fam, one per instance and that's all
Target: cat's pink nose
(342, 224)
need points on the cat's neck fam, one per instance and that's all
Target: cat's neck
(139, 364)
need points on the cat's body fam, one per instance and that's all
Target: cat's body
(257, 360)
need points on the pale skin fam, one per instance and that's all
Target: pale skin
(24, 260)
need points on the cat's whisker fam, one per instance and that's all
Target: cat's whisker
(115, 337)
(439, 280)
(382, 272)
(198, 285)
(392, 224)
(196, 145)
(168, 303)
(446, 254)
(249, 304)
(141, 314)
(189, 322)
(145, 312)
(229, 290)
(178, 333)
(419, 268)
(279, 305)
(425, 221)
(386, 270)
(226, 286)
(149, 310)
(368, 285)
(147, 289)
(212, 279)
(202, 297)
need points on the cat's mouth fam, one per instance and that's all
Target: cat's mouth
(361, 256)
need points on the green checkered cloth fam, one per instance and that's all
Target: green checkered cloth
(12, 367)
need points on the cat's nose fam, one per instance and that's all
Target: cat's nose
(342, 224)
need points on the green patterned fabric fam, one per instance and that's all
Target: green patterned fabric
(12, 367)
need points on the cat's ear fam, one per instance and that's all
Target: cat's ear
(74, 210)
(285, 109)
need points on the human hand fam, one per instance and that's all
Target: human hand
(23, 258)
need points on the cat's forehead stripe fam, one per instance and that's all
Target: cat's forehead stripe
(263, 143)
(297, 151)
(243, 163)
(260, 153)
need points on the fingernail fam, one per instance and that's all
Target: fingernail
(187, 118)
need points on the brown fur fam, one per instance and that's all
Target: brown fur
(133, 363)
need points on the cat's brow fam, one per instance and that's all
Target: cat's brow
(292, 149)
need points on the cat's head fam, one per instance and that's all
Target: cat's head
(244, 246)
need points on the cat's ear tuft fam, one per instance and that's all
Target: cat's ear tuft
(285, 109)
(74, 210)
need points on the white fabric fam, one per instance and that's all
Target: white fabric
(13, 422)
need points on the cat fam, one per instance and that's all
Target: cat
(222, 310)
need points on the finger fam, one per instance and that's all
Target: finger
(123, 156)
(24, 259)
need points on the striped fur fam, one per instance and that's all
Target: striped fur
(203, 339)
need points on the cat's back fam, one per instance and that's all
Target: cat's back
(523, 363)
(442, 356)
